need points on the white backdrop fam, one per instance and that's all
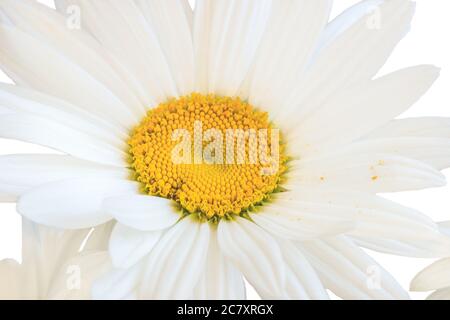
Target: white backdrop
(428, 43)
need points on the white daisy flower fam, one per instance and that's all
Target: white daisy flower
(112, 93)
(436, 277)
(55, 264)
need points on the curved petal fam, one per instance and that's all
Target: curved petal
(128, 246)
(349, 272)
(302, 281)
(27, 101)
(173, 266)
(256, 254)
(375, 219)
(360, 110)
(121, 28)
(432, 151)
(354, 57)
(227, 34)
(220, 280)
(11, 284)
(44, 69)
(292, 32)
(57, 32)
(431, 135)
(144, 213)
(423, 127)
(27, 171)
(72, 204)
(51, 134)
(442, 294)
(435, 276)
(172, 26)
(433, 248)
(344, 21)
(374, 216)
(297, 220)
(365, 172)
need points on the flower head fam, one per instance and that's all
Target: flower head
(244, 139)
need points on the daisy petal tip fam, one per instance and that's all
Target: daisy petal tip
(433, 277)
(434, 71)
(418, 285)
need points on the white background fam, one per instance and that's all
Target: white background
(428, 42)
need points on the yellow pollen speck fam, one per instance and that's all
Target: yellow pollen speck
(211, 190)
(375, 178)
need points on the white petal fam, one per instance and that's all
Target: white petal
(442, 294)
(72, 204)
(51, 134)
(434, 248)
(172, 25)
(61, 34)
(28, 171)
(432, 151)
(384, 219)
(144, 213)
(118, 284)
(128, 246)
(292, 32)
(357, 111)
(256, 254)
(429, 134)
(373, 216)
(173, 266)
(365, 172)
(302, 281)
(227, 34)
(121, 28)
(435, 276)
(11, 285)
(51, 72)
(349, 272)
(354, 57)
(430, 127)
(26, 101)
(344, 21)
(297, 220)
(220, 280)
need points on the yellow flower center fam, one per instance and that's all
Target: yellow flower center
(215, 156)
